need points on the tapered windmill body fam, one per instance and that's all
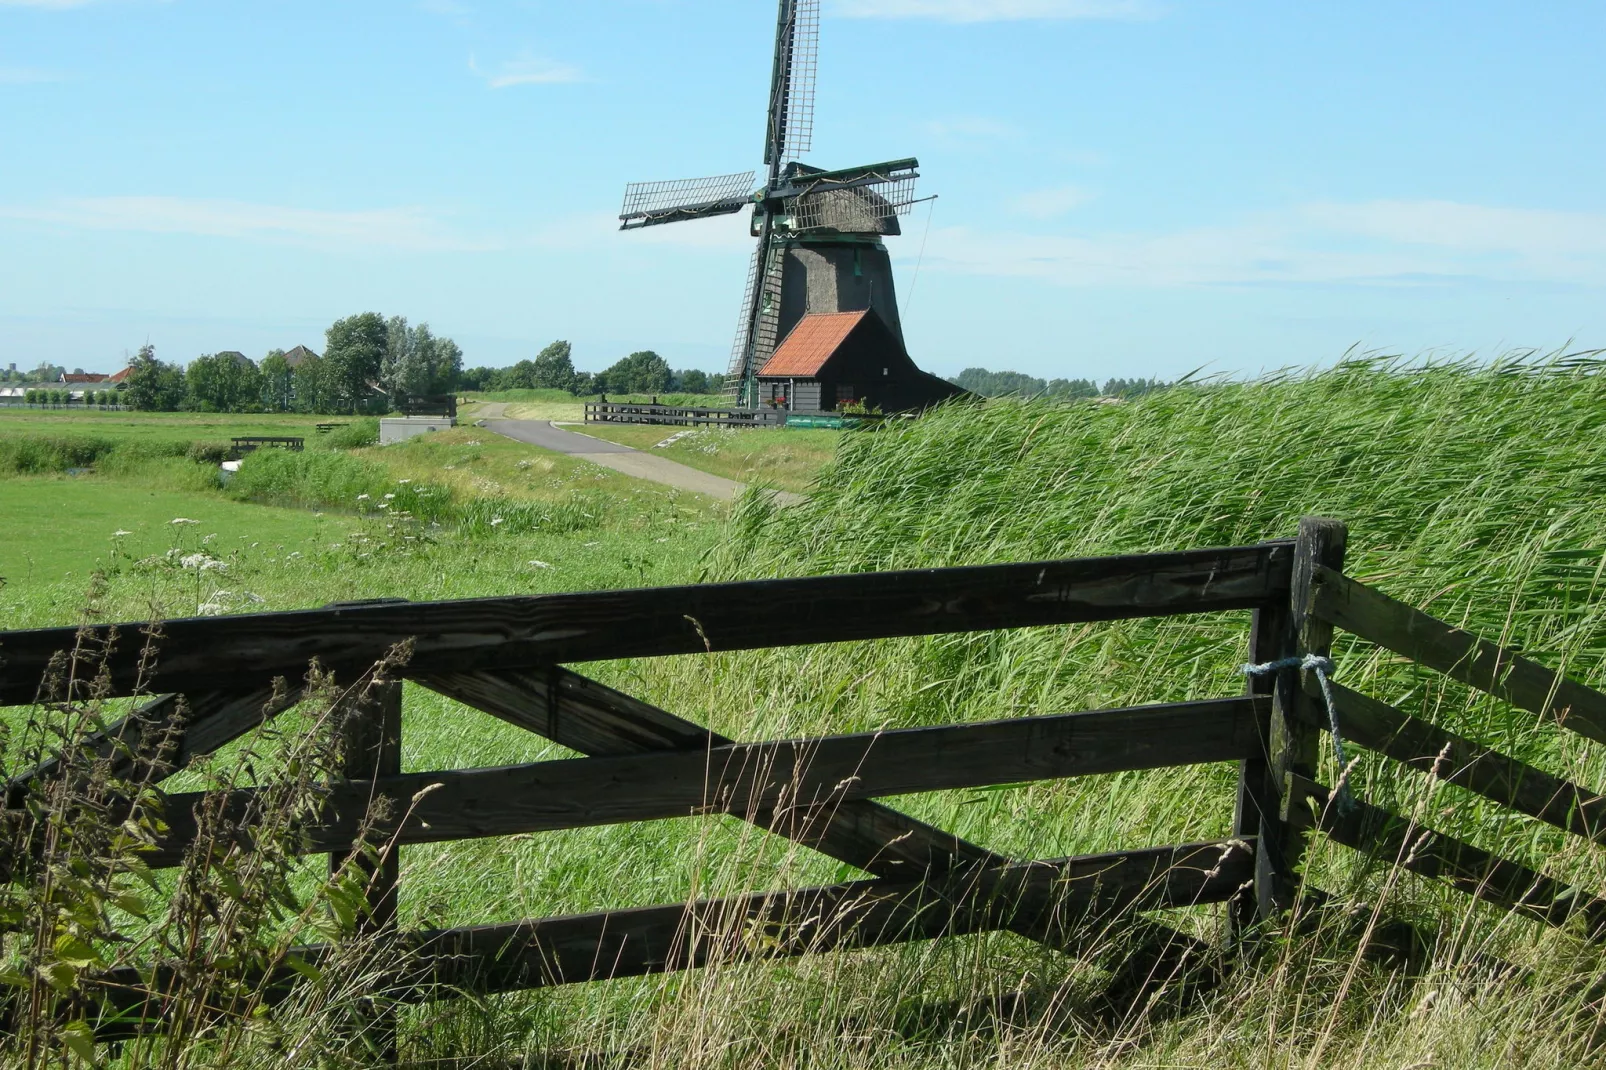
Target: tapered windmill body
(819, 235)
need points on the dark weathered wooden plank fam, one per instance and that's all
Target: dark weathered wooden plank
(1259, 799)
(1395, 841)
(370, 727)
(546, 629)
(580, 792)
(1291, 741)
(599, 721)
(1460, 655)
(1068, 896)
(1063, 896)
(166, 732)
(1457, 760)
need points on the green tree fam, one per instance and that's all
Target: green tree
(691, 381)
(278, 381)
(642, 372)
(354, 356)
(153, 385)
(553, 367)
(222, 383)
(315, 390)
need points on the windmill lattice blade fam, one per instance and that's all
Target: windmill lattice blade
(687, 196)
(800, 94)
(853, 209)
(789, 126)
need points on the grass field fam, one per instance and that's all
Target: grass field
(1473, 491)
(562, 405)
(160, 426)
(790, 460)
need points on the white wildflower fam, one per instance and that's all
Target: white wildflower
(209, 609)
(194, 560)
(362, 497)
(214, 566)
(388, 497)
(119, 533)
(593, 544)
(183, 520)
(208, 538)
(404, 482)
(334, 546)
(495, 520)
(538, 564)
(384, 505)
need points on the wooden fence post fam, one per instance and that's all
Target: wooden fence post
(1291, 741)
(371, 748)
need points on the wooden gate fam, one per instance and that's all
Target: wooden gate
(507, 657)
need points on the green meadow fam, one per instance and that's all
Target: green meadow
(1472, 490)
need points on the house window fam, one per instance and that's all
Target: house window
(845, 394)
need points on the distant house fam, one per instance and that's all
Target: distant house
(82, 378)
(831, 359)
(239, 358)
(295, 356)
(122, 376)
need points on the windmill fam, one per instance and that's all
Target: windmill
(819, 232)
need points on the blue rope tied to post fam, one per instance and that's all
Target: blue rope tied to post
(1322, 667)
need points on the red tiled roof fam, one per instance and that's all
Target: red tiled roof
(811, 343)
(118, 377)
(87, 377)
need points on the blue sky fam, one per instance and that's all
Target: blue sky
(1127, 187)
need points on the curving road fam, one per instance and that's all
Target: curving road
(631, 462)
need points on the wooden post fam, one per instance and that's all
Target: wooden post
(1258, 803)
(371, 748)
(1291, 741)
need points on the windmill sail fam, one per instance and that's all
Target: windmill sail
(789, 131)
(651, 203)
(855, 200)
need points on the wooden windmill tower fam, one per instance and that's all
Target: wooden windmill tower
(819, 232)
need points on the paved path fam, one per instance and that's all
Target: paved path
(631, 462)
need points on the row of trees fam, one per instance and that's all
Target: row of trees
(46, 372)
(367, 361)
(642, 372)
(997, 384)
(64, 397)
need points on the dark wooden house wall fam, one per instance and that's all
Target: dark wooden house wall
(870, 366)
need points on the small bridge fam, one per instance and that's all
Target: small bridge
(507, 657)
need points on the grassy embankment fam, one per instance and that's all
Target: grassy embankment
(542, 404)
(789, 460)
(1475, 493)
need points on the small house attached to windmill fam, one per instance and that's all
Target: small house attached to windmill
(831, 361)
(820, 261)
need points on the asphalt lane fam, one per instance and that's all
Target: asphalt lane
(543, 434)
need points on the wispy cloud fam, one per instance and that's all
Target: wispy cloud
(59, 5)
(1050, 203)
(1375, 243)
(28, 75)
(412, 229)
(998, 10)
(528, 70)
(970, 127)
